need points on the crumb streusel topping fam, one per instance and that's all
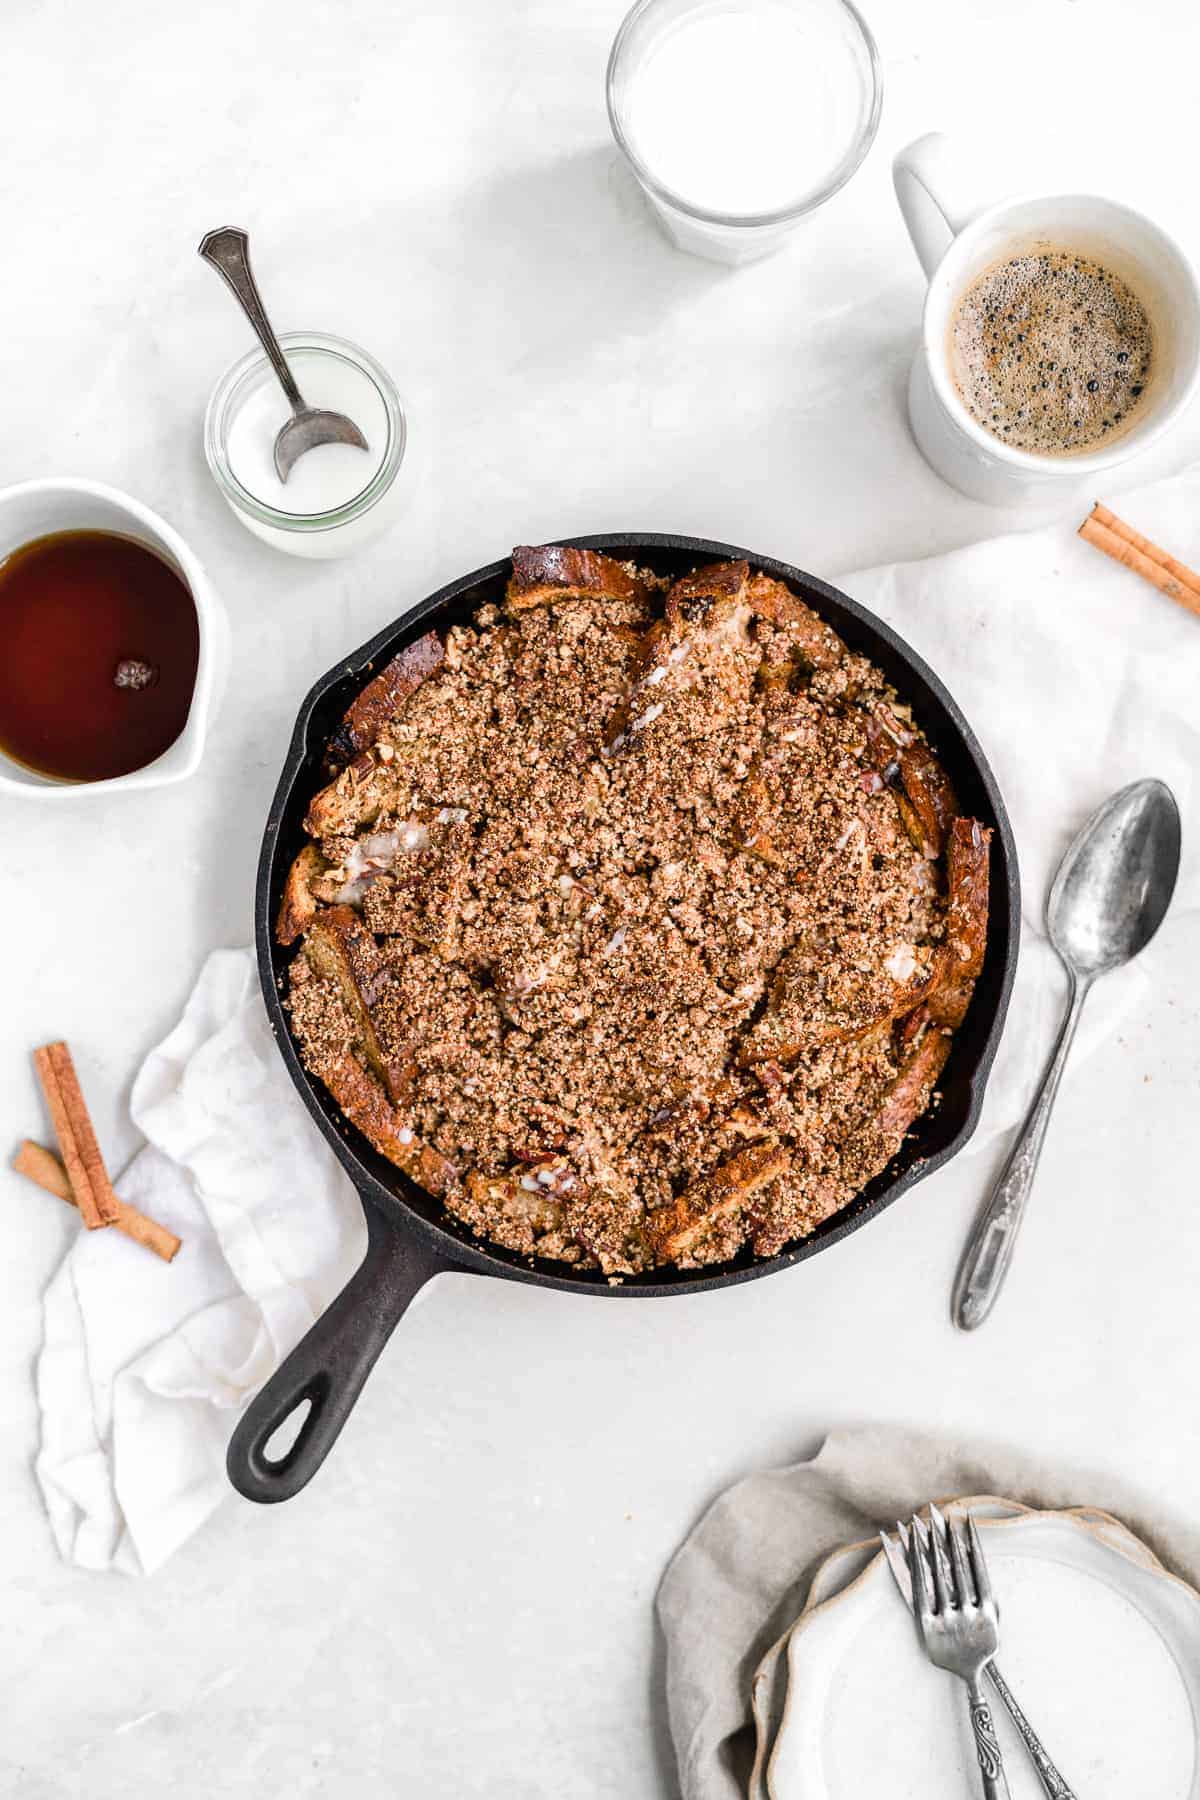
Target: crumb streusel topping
(638, 921)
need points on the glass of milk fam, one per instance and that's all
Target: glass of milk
(337, 497)
(740, 117)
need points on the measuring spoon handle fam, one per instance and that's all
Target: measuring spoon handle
(228, 250)
(993, 1239)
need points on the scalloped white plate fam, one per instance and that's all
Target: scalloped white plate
(834, 1577)
(1116, 1700)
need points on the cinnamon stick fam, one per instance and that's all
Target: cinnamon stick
(1107, 532)
(43, 1167)
(64, 1131)
(84, 1153)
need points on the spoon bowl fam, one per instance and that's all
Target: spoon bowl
(311, 426)
(1115, 883)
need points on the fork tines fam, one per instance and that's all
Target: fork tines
(945, 1562)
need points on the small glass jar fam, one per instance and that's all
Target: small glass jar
(248, 400)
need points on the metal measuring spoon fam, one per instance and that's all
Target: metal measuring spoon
(228, 250)
(1106, 902)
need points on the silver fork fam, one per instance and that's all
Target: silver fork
(896, 1549)
(959, 1623)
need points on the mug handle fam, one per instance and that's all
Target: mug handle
(938, 193)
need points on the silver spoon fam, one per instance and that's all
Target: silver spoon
(1106, 902)
(228, 250)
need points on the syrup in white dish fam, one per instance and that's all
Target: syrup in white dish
(747, 108)
(99, 645)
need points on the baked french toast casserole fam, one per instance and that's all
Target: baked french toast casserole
(638, 916)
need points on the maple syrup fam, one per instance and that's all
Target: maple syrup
(99, 644)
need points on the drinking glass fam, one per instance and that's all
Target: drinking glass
(703, 79)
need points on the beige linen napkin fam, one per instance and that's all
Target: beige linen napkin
(741, 1578)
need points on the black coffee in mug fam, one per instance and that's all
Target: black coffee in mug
(1051, 351)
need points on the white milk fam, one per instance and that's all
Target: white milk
(746, 108)
(332, 474)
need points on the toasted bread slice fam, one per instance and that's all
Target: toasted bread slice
(967, 857)
(516, 1212)
(713, 607)
(675, 1229)
(928, 806)
(519, 1197)
(421, 893)
(365, 1104)
(927, 802)
(544, 574)
(384, 697)
(806, 1008)
(887, 736)
(649, 666)
(298, 906)
(968, 852)
(708, 596)
(771, 818)
(339, 948)
(797, 1203)
(706, 615)
(910, 1093)
(754, 821)
(355, 798)
(814, 644)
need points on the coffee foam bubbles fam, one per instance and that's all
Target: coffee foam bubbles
(1051, 352)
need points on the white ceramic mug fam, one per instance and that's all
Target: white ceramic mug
(35, 509)
(958, 231)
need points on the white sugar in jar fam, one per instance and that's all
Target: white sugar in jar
(337, 497)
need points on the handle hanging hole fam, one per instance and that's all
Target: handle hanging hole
(279, 1445)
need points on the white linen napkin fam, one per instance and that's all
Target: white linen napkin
(1077, 678)
(144, 1366)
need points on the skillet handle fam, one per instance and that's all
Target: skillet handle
(329, 1366)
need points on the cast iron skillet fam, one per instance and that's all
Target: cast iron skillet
(410, 1238)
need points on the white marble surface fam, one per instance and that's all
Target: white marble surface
(461, 1604)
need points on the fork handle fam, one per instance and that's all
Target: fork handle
(1052, 1782)
(987, 1744)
